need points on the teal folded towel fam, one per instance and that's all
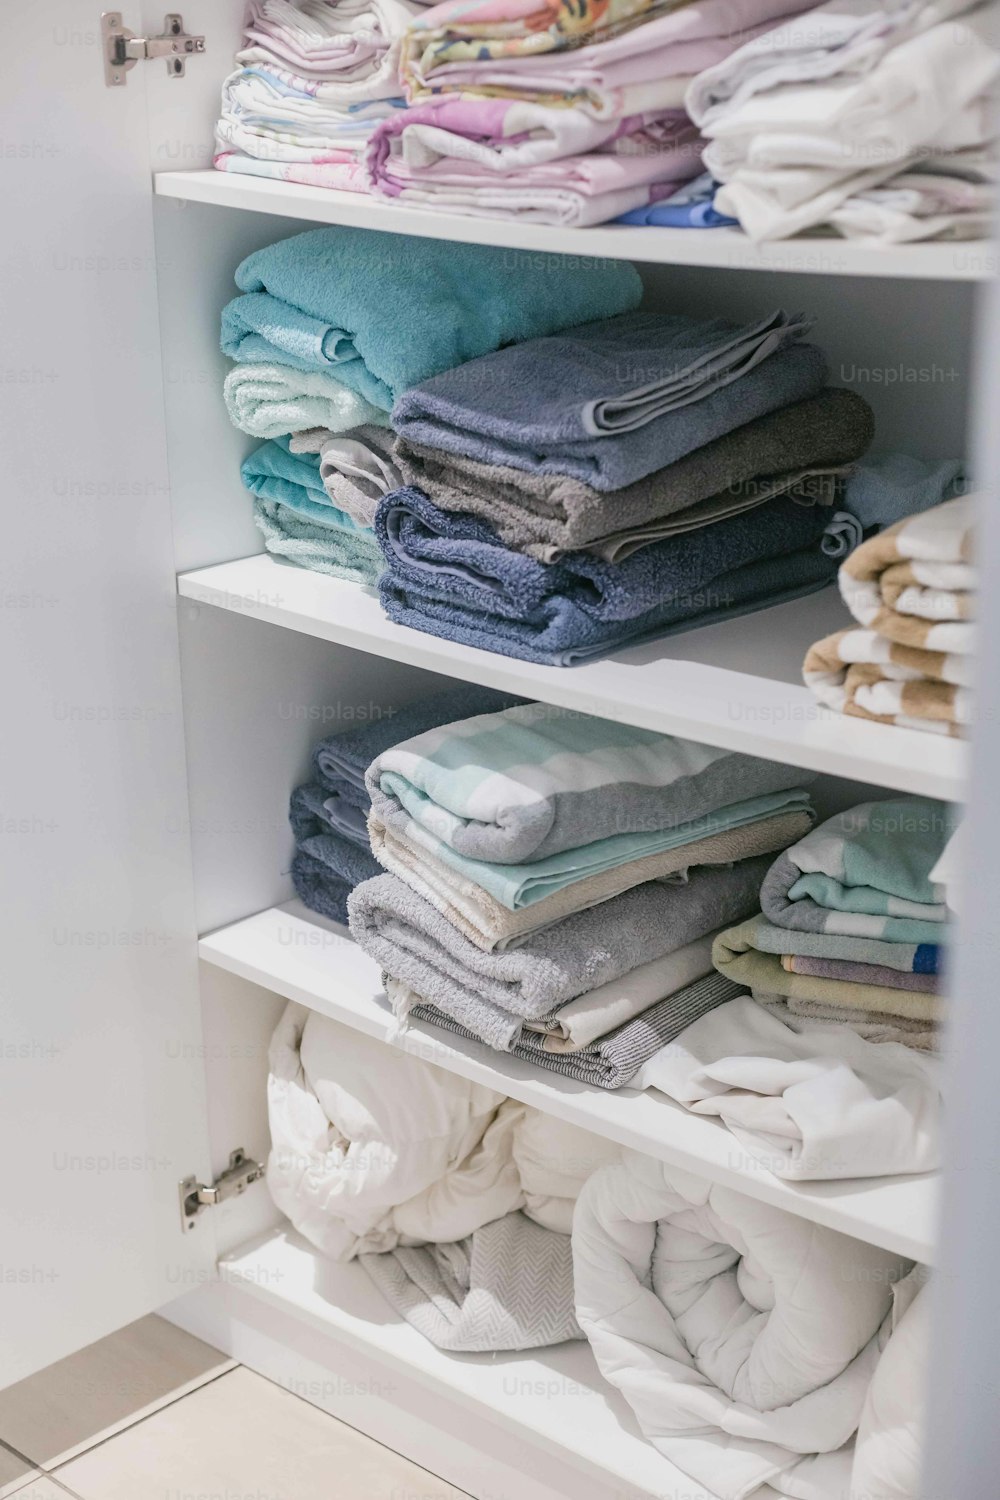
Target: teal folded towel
(385, 311)
(290, 534)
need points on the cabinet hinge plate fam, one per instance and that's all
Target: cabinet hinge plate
(123, 49)
(237, 1177)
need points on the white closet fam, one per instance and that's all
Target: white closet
(150, 742)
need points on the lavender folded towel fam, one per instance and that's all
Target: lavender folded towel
(449, 575)
(611, 401)
(854, 973)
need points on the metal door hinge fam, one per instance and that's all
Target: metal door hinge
(234, 1180)
(123, 49)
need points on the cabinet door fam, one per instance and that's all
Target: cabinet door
(101, 1106)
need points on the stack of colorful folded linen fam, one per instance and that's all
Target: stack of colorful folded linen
(550, 113)
(328, 815)
(445, 1190)
(852, 924)
(313, 78)
(872, 118)
(543, 862)
(332, 326)
(912, 591)
(626, 478)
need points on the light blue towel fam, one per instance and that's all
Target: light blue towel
(273, 472)
(691, 207)
(882, 491)
(385, 311)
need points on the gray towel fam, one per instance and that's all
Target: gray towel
(548, 514)
(508, 1286)
(490, 994)
(612, 401)
(613, 1060)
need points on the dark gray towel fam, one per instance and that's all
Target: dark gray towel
(588, 402)
(548, 514)
(614, 1060)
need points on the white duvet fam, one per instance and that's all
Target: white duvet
(744, 1339)
(372, 1148)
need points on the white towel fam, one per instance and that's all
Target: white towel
(806, 1100)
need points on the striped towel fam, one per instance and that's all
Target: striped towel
(613, 1060)
(535, 781)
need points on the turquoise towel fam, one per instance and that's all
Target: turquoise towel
(385, 311)
(273, 472)
(294, 515)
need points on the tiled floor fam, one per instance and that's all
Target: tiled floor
(152, 1413)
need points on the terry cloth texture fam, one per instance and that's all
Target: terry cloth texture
(318, 301)
(509, 1285)
(743, 1338)
(861, 673)
(609, 1062)
(448, 575)
(873, 1026)
(356, 468)
(490, 925)
(807, 1100)
(535, 780)
(612, 401)
(268, 401)
(547, 515)
(741, 956)
(866, 873)
(308, 536)
(325, 870)
(906, 958)
(843, 968)
(491, 994)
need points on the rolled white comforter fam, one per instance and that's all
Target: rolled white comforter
(372, 1148)
(743, 1338)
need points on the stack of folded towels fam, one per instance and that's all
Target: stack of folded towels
(332, 326)
(313, 78)
(556, 880)
(872, 118)
(910, 660)
(853, 924)
(329, 815)
(631, 477)
(553, 113)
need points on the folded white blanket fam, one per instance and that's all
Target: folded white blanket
(807, 1100)
(743, 1338)
(373, 1148)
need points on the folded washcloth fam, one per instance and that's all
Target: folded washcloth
(490, 925)
(304, 535)
(610, 1061)
(318, 301)
(492, 994)
(862, 673)
(844, 969)
(313, 810)
(535, 780)
(326, 869)
(547, 515)
(865, 872)
(357, 468)
(612, 401)
(508, 1286)
(268, 401)
(882, 491)
(741, 955)
(449, 575)
(905, 958)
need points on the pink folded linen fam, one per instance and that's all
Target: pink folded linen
(647, 68)
(508, 135)
(573, 190)
(334, 169)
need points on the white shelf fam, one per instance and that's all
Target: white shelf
(555, 1397)
(727, 249)
(737, 685)
(301, 956)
